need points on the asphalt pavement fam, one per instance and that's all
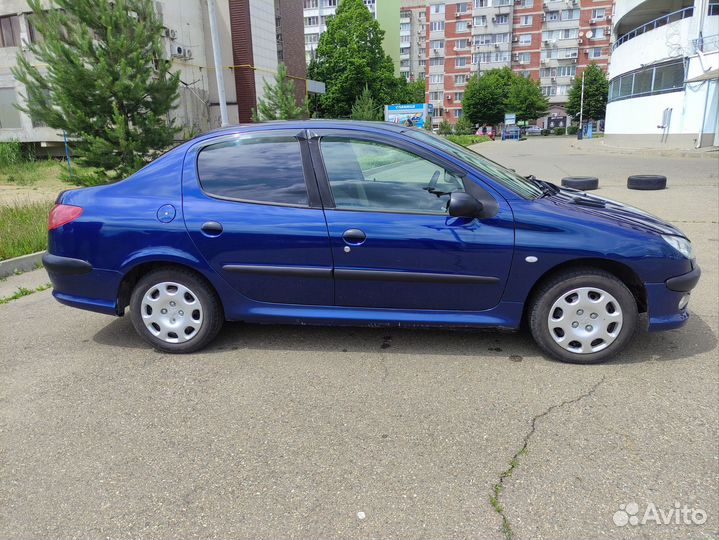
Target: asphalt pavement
(309, 432)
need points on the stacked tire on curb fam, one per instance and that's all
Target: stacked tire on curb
(647, 182)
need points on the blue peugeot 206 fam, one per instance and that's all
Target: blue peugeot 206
(331, 222)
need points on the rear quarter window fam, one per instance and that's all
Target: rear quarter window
(255, 169)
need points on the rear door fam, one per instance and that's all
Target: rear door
(252, 208)
(393, 242)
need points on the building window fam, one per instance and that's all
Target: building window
(436, 8)
(480, 20)
(525, 39)
(498, 3)
(309, 4)
(552, 16)
(462, 26)
(569, 33)
(405, 27)
(436, 78)
(10, 31)
(9, 115)
(436, 26)
(459, 80)
(458, 96)
(460, 61)
(526, 20)
(598, 14)
(436, 44)
(598, 33)
(312, 38)
(329, 3)
(595, 52)
(436, 96)
(524, 73)
(566, 71)
(312, 21)
(501, 19)
(713, 8)
(458, 113)
(524, 58)
(461, 44)
(527, 3)
(570, 14)
(481, 3)
(404, 39)
(658, 79)
(436, 62)
(463, 7)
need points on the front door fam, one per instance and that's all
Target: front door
(393, 242)
(252, 209)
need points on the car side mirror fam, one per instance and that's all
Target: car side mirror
(462, 204)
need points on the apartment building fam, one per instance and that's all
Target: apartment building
(254, 36)
(386, 12)
(551, 41)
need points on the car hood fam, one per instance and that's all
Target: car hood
(618, 213)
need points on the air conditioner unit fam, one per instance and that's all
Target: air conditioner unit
(515, 39)
(574, 60)
(580, 40)
(586, 51)
(496, 45)
(178, 52)
(609, 17)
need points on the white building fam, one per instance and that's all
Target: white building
(664, 73)
(187, 45)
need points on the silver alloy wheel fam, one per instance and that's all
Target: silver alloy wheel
(585, 320)
(171, 312)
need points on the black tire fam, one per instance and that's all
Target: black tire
(583, 183)
(565, 282)
(211, 309)
(647, 181)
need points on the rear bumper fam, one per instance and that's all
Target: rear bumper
(76, 283)
(664, 300)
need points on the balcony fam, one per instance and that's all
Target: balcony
(664, 20)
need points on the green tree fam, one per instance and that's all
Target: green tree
(485, 97)
(525, 99)
(279, 101)
(350, 56)
(444, 127)
(409, 92)
(105, 83)
(365, 108)
(596, 89)
(464, 126)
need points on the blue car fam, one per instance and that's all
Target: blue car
(338, 223)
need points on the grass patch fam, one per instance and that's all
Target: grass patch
(19, 165)
(468, 140)
(22, 291)
(23, 229)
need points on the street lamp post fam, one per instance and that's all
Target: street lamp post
(581, 108)
(217, 58)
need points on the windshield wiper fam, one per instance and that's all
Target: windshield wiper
(546, 187)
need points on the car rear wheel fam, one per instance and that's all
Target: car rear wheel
(583, 316)
(175, 310)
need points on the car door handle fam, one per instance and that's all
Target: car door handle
(354, 237)
(211, 228)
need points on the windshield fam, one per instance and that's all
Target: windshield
(508, 178)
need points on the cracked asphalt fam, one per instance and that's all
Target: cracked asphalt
(307, 432)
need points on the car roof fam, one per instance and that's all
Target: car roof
(316, 123)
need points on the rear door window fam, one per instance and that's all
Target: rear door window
(266, 169)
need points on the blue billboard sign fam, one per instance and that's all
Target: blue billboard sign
(414, 114)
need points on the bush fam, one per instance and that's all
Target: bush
(23, 229)
(559, 131)
(545, 132)
(444, 128)
(468, 140)
(572, 130)
(464, 126)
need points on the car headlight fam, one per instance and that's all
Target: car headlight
(682, 245)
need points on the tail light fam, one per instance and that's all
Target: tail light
(62, 214)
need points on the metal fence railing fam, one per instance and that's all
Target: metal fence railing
(654, 24)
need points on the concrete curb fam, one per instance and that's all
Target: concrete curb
(21, 264)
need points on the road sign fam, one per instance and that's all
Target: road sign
(510, 119)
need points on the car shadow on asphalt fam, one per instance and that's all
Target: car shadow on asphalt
(696, 337)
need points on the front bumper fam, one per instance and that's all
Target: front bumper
(665, 300)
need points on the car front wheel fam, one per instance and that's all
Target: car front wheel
(583, 316)
(175, 310)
